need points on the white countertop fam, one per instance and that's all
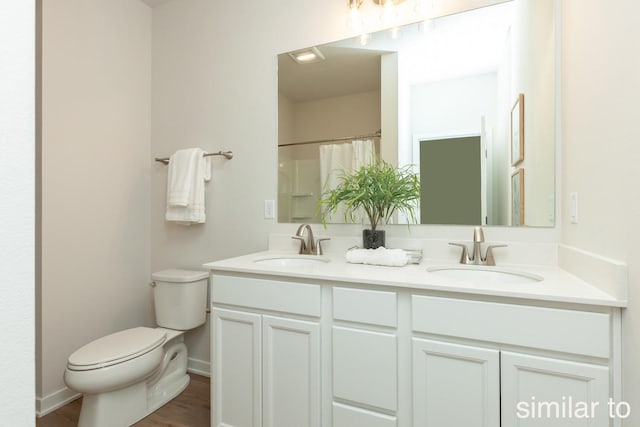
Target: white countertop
(557, 286)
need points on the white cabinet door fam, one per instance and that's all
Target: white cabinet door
(291, 369)
(365, 368)
(540, 391)
(455, 385)
(237, 372)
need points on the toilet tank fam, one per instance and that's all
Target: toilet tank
(180, 298)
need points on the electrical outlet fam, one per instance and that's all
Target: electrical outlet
(551, 208)
(573, 208)
(269, 209)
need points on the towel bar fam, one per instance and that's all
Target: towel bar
(227, 154)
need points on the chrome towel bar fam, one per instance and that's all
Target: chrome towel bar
(227, 154)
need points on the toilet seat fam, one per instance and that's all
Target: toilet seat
(116, 348)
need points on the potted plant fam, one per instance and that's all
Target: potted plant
(379, 189)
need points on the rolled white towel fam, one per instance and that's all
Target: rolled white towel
(379, 256)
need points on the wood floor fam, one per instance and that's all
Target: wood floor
(190, 409)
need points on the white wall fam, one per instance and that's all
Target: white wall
(340, 116)
(601, 149)
(17, 233)
(208, 91)
(96, 95)
(450, 106)
(285, 119)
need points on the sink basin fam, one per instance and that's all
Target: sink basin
(483, 274)
(291, 260)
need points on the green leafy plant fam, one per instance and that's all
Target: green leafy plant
(379, 189)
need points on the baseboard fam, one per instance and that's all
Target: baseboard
(606, 274)
(55, 400)
(199, 367)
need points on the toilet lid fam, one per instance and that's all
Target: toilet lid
(116, 348)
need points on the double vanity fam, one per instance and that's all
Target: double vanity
(308, 340)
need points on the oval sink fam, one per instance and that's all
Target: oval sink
(291, 260)
(483, 274)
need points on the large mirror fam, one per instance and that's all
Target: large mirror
(467, 99)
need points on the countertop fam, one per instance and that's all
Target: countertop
(558, 285)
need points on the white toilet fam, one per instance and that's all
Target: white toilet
(127, 375)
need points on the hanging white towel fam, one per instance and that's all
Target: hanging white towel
(188, 171)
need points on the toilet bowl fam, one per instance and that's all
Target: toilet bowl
(129, 374)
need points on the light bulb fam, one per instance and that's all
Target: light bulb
(309, 56)
(355, 19)
(426, 26)
(388, 13)
(421, 7)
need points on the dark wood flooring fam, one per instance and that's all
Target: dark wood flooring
(190, 409)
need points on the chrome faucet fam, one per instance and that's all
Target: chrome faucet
(476, 257)
(478, 238)
(308, 246)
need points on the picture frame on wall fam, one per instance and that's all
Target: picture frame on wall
(517, 131)
(517, 197)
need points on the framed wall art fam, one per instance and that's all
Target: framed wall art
(517, 197)
(517, 131)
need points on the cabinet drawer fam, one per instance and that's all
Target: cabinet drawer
(365, 367)
(570, 331)
(365, 306)
(295, 298)
(349, 416)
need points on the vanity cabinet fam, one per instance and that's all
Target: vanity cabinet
(502, 388)
(339, 354)
(498, 386)
(266, 363)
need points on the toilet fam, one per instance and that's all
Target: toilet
(129, 374)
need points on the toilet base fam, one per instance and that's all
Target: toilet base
(165, 390)
(126, 406)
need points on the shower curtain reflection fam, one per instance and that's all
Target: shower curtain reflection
(305, 171)
(336, 159)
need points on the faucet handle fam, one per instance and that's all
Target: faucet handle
(303, 244)
(319, 246)
(464, 257)
(488, 258)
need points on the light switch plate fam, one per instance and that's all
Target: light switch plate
(269, 209)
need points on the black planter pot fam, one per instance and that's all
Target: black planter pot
(372, 239)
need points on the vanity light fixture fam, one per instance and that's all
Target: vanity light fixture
(307, 56)
(389, 14)
(364, 39)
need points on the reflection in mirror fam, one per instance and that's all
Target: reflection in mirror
(441, 97)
